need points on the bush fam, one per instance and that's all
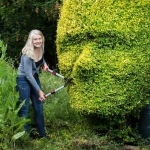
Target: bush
(11, 126)
(104, 47)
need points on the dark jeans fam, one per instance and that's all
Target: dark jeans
(27, 92)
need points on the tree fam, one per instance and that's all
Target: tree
(17, 18)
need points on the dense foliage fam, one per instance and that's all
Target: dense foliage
(11, 126)
(104, 47)
(19, 17)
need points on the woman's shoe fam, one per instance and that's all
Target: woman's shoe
(46, 138)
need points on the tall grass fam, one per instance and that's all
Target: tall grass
(11, 126)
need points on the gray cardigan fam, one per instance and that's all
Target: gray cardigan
(27, 68)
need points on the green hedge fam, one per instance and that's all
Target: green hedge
(104, 46)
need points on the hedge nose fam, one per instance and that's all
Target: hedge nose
(105, 47)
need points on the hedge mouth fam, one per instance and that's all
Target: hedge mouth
(104, 39)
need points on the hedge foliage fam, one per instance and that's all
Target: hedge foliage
(104, 46)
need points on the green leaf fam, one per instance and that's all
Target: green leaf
(18, 135)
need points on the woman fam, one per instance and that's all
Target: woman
(28, 83)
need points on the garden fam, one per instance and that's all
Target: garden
(104, 47)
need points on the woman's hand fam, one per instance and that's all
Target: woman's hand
(41, 96)
(45, 67)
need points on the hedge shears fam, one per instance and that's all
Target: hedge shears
(59, 75)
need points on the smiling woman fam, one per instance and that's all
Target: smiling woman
(28, 83)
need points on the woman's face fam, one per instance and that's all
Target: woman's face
(37, 41)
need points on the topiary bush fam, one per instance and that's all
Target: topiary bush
(104, 46)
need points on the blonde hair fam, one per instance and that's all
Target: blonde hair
(28, 49)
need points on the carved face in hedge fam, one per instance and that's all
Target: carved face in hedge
(104, 47)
